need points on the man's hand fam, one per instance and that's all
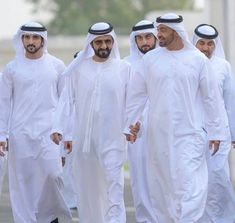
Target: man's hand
(214, 146)
(134, 129)
(68, 145)
(2, 148)
(130, 138)
(56, 138)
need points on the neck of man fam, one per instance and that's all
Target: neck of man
(99, 59)
(34, 56)
(175, 45)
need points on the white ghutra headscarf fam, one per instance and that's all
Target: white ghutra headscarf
(143, 26)
(96, 30)
(175, 22)
(33, 28)
(206, 31)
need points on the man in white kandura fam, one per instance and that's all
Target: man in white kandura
(142, 40)
(220, 207)
(172, 78)
(96, 83)
(31, 86)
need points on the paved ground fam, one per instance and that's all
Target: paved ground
(6, 214)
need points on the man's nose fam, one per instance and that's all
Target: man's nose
(205, 47)
(103, 45)
(30, 39)
(144, 41)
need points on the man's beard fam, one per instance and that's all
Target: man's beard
(207, 53)
(164, 42)
(102, 53)
(32, 48)
(146, 48)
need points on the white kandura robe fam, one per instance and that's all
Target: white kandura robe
(220, 207)
(33, 87)
(98, 91)
(177, 174)
(137, 154)
(69, 191)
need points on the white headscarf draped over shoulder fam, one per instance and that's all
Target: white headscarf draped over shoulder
(34, 28)
(175, 22)
(143, 26)
(96, 30)
(206, 31)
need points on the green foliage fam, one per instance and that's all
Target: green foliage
(74, 17)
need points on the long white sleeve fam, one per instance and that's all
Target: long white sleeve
(211, 101)
(65, 111)
(6, 90)
(136, 98)
(229, 99)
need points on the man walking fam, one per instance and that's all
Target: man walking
(142, 40)
(173, 77)
(31, 86)
(96, 85)
(220, 205)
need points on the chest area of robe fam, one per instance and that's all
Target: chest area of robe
(103, 81)
(33, 76)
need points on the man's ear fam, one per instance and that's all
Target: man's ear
(42, 44)
(92, 45)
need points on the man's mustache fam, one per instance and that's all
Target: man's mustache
(31, 45)
(145, 46)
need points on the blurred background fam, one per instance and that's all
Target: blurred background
(68, 21)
